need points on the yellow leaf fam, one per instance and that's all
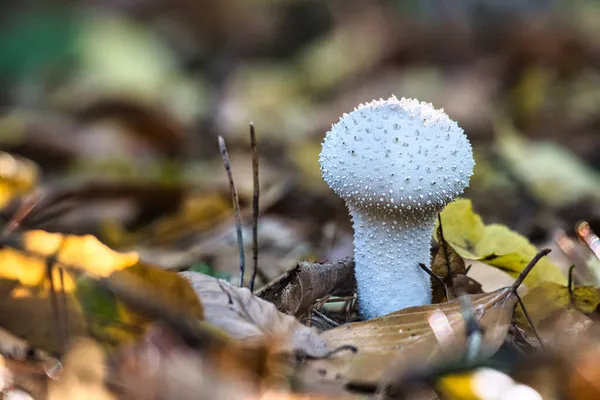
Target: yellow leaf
(543, 300)
(85, 252)
(25, 302)
(494, 244)
(552, 174)
(463, 228)
(514, 253)
(458, 387)
(17, 177)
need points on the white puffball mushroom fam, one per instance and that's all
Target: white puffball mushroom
(396, 163)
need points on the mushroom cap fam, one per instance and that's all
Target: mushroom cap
(396, 155)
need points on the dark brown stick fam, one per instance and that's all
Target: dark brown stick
(437, 278)
(445, 249)
(255, 198)
(529, 321)
(236, 207)
(528, 269)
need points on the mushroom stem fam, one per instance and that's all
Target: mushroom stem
(387, 254)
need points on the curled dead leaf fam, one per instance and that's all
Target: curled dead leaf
(248, 318)
(299, 288)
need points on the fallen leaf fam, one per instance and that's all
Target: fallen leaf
(450, 268)
(111, 320)
(547, 298)
(82, 374)
(17, 177)
(463, 228)
(563, 327)
(299, 288)
(553, 174)
(388, 345)
(249, 318)
(27, 309)
(181, 372)
(494, 244)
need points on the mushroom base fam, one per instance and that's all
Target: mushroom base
(387, 255)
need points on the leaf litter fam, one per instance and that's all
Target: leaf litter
(133, 125)
(437, 332)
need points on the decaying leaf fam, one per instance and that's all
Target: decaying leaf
(299, 288)
(494, 244)
(111, 319)
(544, 300)
(564, 327)
(29, 311)
(388, 345)
(249, 318)
(182, 372)
(553, 174)
(82, 374)
(450, 268)
(17, 176)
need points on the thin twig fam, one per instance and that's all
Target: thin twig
(529, 321)
(570, 282)
(24, 210)
(255, 197)
(236, 207)
(63, 299)
(434, 276)
(528, 269)
(325, 318)
(57, 309)
(302, 356)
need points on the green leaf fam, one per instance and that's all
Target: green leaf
(494, 244)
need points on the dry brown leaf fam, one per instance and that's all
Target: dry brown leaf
(299, 288)
(450, 268)
(182, 372)
(564, 327)
(249, 318)
(387, 345)
(545, 299)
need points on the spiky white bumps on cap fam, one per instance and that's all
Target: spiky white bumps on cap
(396, 163)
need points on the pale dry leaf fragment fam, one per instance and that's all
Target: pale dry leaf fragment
(83, 374)
(12, 346)
(421, 335)
(564, 327)
(554, 175)
(248, 318)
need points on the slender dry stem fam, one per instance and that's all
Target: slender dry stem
(236, 207)
(255, 198)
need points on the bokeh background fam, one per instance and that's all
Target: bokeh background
(111, 111)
